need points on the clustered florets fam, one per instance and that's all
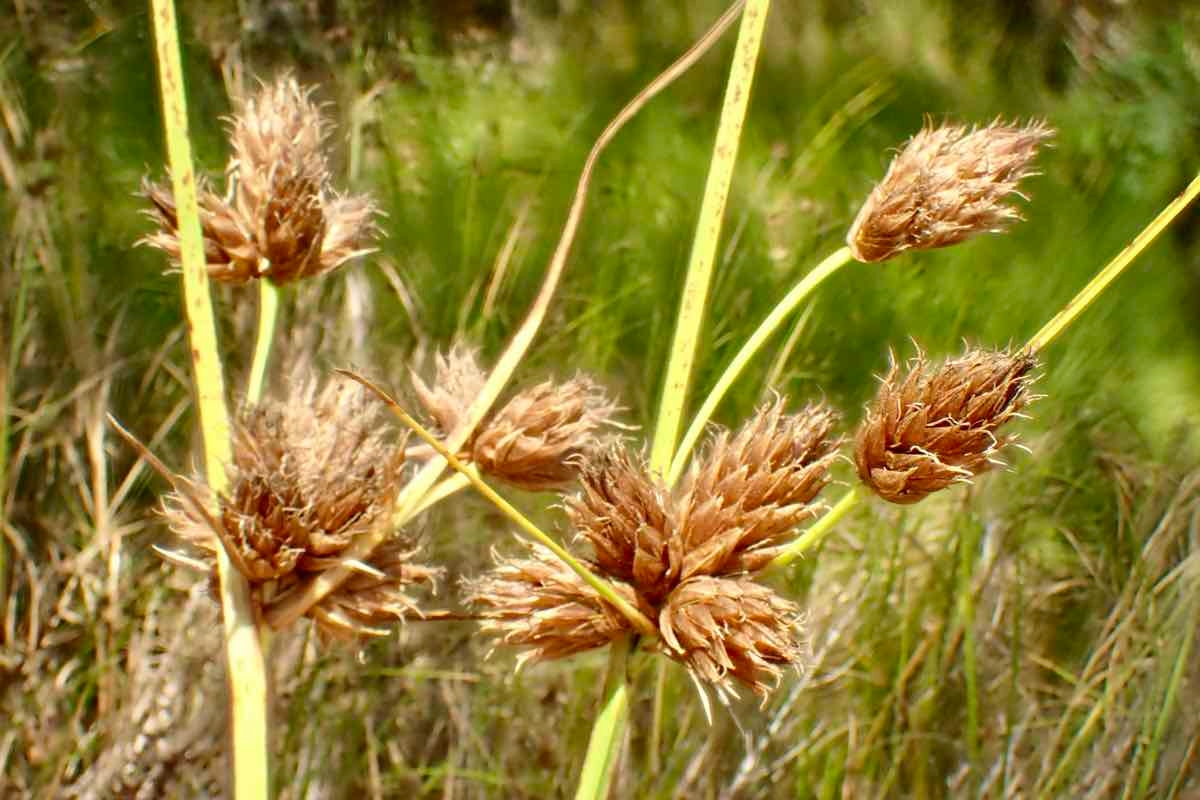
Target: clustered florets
(686, 558)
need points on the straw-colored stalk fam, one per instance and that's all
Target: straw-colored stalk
(244, 657)
(692, 305)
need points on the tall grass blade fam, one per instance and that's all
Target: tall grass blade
(244, 657)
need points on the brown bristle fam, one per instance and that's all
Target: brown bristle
(281, 221)
(540, 438)
(308, 476)
(624, 513)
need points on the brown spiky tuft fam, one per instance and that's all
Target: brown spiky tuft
(539, 604)
(539, 439)
(948, 184)
(750, 490)
(731, 629)
(938, 426)
(308, 476)
(281, 221)
(229, 250)
(458, 380)
(375, 596)
(626, 516)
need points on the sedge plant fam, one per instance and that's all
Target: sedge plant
(306, 502)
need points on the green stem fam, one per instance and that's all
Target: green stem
(1170, 697)
(1104, 277)
(783, 309)
(820, 529)
(605, 739)
(268, 312)
(708, 235)
(243, 652)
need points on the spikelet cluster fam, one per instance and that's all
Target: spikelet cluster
(309, 476)
(933, 426)
(948, 184)
(280, 219)
(688, 556)
(537, 440)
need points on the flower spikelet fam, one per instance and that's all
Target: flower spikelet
(230, 253)
(751, 489)
(538, 440)
(541, 605)
(375, 596)
(727, 629)
(458, 379)
(625, 514)
(948, 184)
(308, 476)
(933, 427)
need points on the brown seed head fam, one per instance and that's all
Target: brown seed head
(750, 490)
(458, 380)
(282, 220)
(731, 629)
(540, 604)
(539, 439)
(625, 514)
(948, 184)
(308, 476)
(938, 426)
(368, 600)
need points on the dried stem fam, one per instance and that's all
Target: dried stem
(244, 657)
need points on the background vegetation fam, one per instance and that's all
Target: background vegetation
(1030, 636)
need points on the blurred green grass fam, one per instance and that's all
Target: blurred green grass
(467, 128)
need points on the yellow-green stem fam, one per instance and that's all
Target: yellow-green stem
(602, 587)
(692, 304)
(819, 530)
(782, 310)
(244, 658)
(268, 312)
(605, 740)
(1114, 268)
